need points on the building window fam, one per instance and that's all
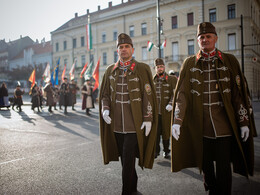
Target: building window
(212, 15)
(144, 27)
(175, 51)
(103, 37)
(232, 41)
(83, 60)
(144, 53)
(82, 41)
(74, 43)
(65, 61)
(190, 19)
(131, 31)
(64, 45)
(57, 46)
(115, 35)
(104, 58)
(115, 56)
(190, 47)
(174, 22)
(231, 11)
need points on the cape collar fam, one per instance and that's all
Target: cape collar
(163, 77)
(215, 52)
(130, 65)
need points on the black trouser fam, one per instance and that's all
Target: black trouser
(166, 143)
(218, 150)
(128, 149)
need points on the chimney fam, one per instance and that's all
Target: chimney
(110, 4)
(87, 11)
(98, 8)
(76, 15)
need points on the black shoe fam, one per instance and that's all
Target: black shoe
(166, 155)
(156, 154)
(73, 109)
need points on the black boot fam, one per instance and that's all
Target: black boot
(73, 108)
(87, 112)
(50, 109)
(65, 110)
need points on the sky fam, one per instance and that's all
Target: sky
(37, 18)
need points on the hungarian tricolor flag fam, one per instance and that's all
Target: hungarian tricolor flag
(163, 44)
(83, 70)
(89, 36)
(149, 46)
(32, 78)
(96, 75)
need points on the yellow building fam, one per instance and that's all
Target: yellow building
(179, 20)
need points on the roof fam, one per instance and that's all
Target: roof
(40, 48)
(78, 19)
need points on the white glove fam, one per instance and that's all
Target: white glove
(176, 131)
(106, 117)
(147, 126)
(169, 108)
(244, 133)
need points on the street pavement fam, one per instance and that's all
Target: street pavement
(43, 153)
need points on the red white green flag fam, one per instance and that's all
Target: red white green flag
(89, 36)
(149, 46)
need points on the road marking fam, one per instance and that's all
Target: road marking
(40, 154)
(2, 163)
(28, 131)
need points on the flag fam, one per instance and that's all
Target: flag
(149, 46)
(83, 70)
(89, 71)
(54, 74)
(163, 44)
(46, 73)
(96, 75)
(32, 78)
(72, 70)
(52, 78)
(89, 36)
(56, 78)
(63, 73)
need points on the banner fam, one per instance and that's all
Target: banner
(96, 75)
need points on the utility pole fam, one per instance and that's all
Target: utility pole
(159, 28)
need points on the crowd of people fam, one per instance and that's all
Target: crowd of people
(207, 110)
(62, 96)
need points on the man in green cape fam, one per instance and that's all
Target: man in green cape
(165, 85)
(128, 114)
(213, 119)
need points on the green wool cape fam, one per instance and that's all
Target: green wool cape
(188, 150)
(146, 144)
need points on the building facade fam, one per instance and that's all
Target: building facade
(179, 20)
